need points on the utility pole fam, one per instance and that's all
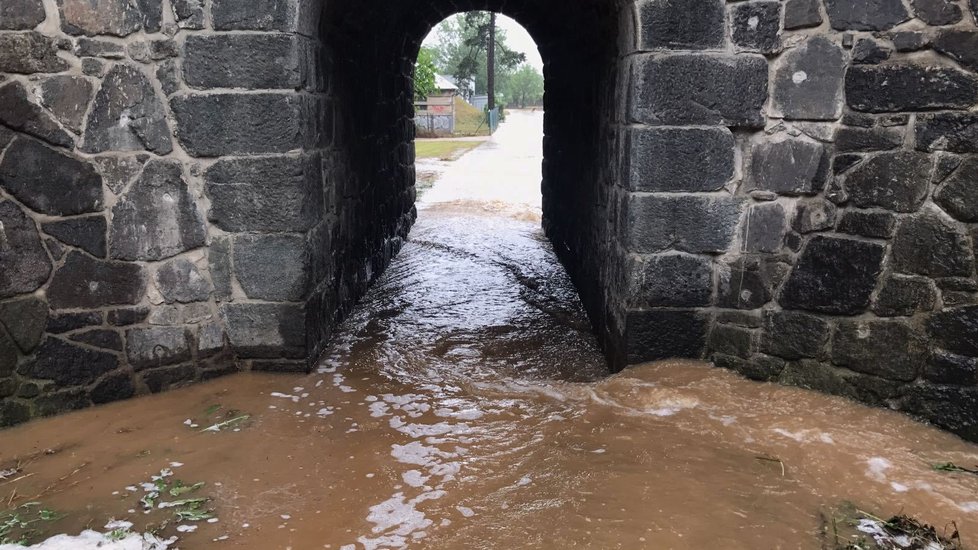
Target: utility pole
(491, 62)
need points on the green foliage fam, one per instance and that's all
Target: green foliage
(525, 87)
(462, 47)
(424, 74)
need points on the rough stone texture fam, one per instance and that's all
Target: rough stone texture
(118, 172)
(958, 196)
(862, 140)
(113, 387)
(670, 280)
(689, 223)
(24, 319)
(745, 284)
(272, 267)
(84, 282)
(157, 217)
(234, 124)
(67, 97)
(895, 181)
(794, 335)
(265, 330)
(701, 89)
(764, 228)
(904, 296)
(261, 15)
(682, 24)
(834, 276)
(87, 233)
(219, 256)
(929, 244)
(663, 334)
(17, 112)
(69, 365)
(757, 26)
(816, 215)
(870, 52)
(954, 132)
(48, 181)
(948, 368)
(29, 52)
(126, 115)
(181, 281)
(799, 14)
(680, 159)
(962, 46)
(956, 330)
(100, 338)
(868, 15)
(26, 265)
(893, 88)
(113, 17)
(257, 61)
(790, 167)
(188, 13)
(21, 14)
(808, 81)
(937, 12)
(878, 225)
(889, 349)
(265, 194)
(157, 346)
(60, 323)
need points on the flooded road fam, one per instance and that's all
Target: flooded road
(465, 404)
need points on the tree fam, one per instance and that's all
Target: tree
(525, 86)
(462, 51)
(424, 75)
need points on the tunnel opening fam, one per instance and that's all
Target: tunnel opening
(372, 49)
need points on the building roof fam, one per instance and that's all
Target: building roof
(443, 83)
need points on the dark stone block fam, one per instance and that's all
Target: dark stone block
(157, 346)
(29, 53)
(680, 159)
(700, 89)
(888, 349)
(849, 140)
(157, 217)
(730, 340)
(928, 244)
(682, 24)
(962, 46)
(21, 15)
(189, 13)
(904, 296)
(747, 319)
(814, 215)
(235, 124)
(70, 365)
(890, 88)
(166, 73)
(868, 52)
(100, 338)
(688, 223)
(8, 387)
(954, 132)
(24, 320)
(8, 355)
(94, 47)
(799, 14)
(808, 81)
(48, 181)
(257, 15)
(833, 275)
(159, 380)
(950, 407)
(62, 402)
(26, 265)
(959, 194)
(759, 367)
(13, 412)
(266, 194)
(790, 167)
(953, 298)
(86, 233)
(764, 228)
(272, 267)
(669, 280)
(118, 172)
(67, 97)
(956, 330)
(254, 61)
(126, 115)
(93, 67)
(180, 281)
(94, 17)
(813, 375)
(654, 335)
(127, 317)
(937, 12)
(17, 112)
(897, 181)
(840, 165)
(84, 282)
(67, 322)
(266, 330)
(875, 225)
(948, 368)
(868, 15)
(114, 387)
(946, 165)
(756, 26)
(793, 335)
(908, 41)
(744, 284)
(219, 258)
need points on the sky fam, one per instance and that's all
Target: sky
(516, 38)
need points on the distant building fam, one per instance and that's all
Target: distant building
(436, 114)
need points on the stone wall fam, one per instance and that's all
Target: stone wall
(788, 188)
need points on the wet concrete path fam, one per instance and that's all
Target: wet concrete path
(465, 404)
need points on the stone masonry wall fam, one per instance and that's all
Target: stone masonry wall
(800, 196)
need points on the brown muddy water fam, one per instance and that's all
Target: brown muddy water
(465, 405)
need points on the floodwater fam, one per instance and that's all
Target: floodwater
(465, 404)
